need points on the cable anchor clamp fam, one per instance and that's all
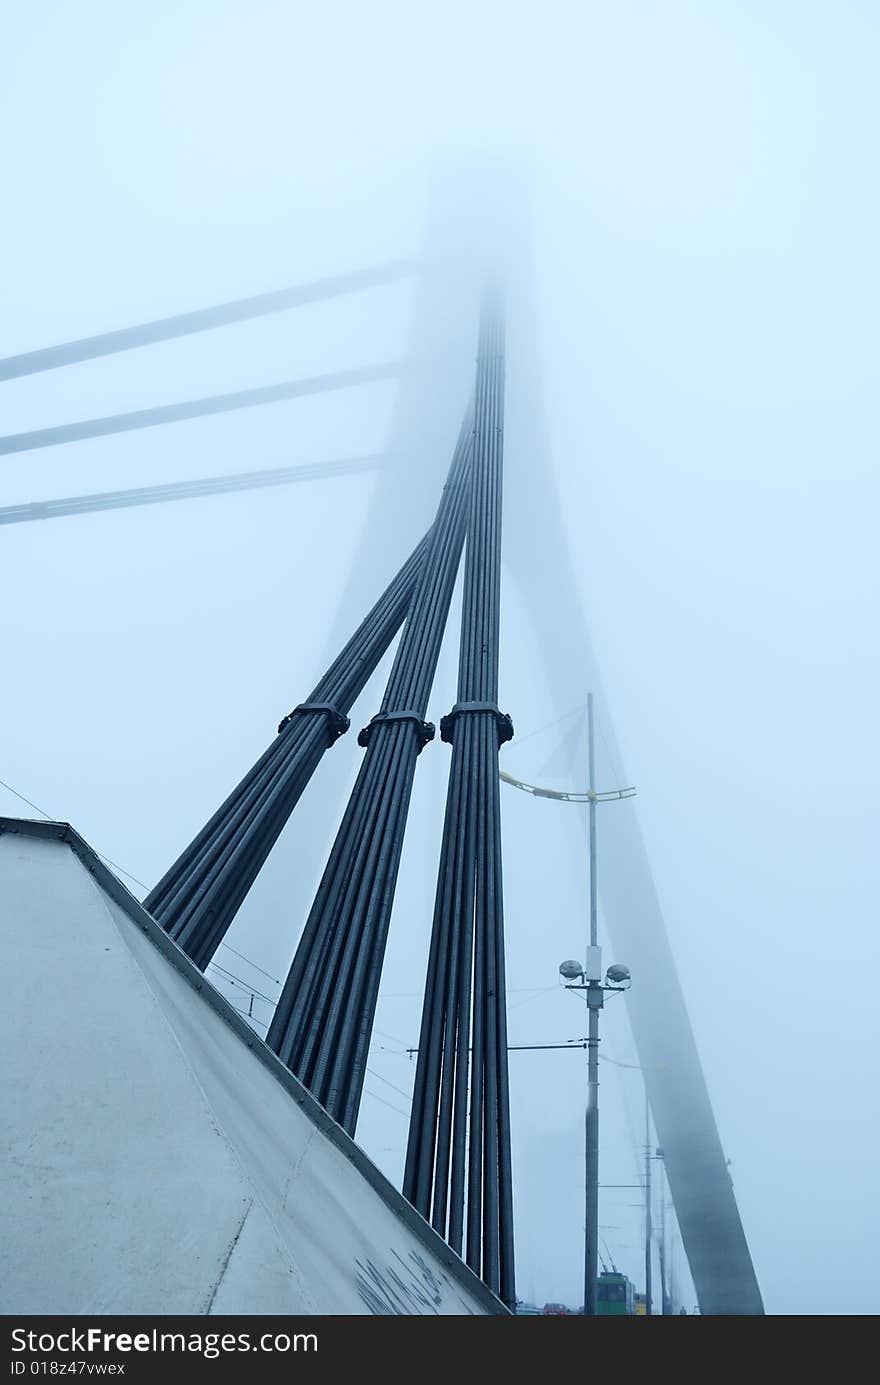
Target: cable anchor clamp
(425, 730)
(337, 722)
(503, 722)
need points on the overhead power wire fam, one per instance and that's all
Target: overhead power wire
(390, 1104)
(549, 725)
(243, 985)
(183, 324)
(129, 876)
(392, 1085)
(50, 818)
(252, 1019)
(196, 408)
(252, 964)
(184, 490)
(30, 804)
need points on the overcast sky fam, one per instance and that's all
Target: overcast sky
(705, 221)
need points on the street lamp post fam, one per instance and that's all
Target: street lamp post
(617, 978)
(595, 1001)
(661, 1244)
(667, 1260)
(649, 1230)
(591, 974)
(649, 1223)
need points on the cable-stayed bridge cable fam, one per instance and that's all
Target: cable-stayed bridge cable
(199, 896)
(197, 408)
(324, 1019)
(184, 490)
(458, 1163)
(183, 324)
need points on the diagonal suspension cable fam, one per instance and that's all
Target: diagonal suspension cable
(196, 408)
(324, 1018)
(184, 490)
(197, 899)
(183, 324)
(458, 1166)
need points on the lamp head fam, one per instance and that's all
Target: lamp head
(570, 970)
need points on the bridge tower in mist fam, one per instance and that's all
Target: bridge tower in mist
(466, 486)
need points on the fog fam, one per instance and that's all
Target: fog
(700, 217)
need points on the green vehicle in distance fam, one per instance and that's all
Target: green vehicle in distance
(616, 1297)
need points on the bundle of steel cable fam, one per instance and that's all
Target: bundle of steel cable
(458, 1169)
(323, 1021)
(199, 896)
